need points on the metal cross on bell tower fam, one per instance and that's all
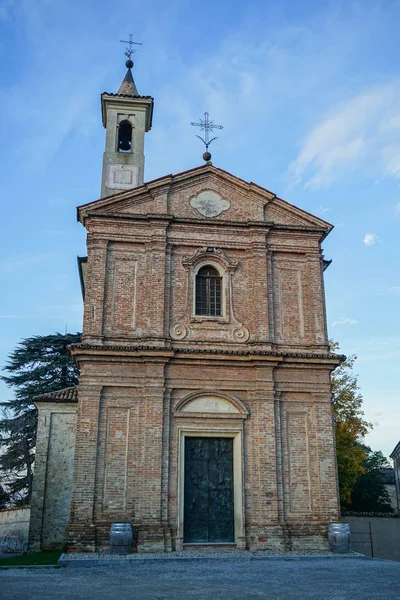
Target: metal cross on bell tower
(206, 125)
(130, 50)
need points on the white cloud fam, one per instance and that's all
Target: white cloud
(345, 321)
(397, 208)
(21, 261)
(268, 77)
(323, 209)
(380, 349)
(393, 290)
(361, 133)
(370, 239)
(391, 159)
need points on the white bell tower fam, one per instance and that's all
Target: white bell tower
(126, 117)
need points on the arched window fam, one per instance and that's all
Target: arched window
(124, 137)
(208, 292)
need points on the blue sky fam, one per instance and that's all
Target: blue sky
(309, 96)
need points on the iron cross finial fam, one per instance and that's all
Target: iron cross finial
(206, 125)
(129, 51)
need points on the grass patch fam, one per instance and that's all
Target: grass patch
(36, 558)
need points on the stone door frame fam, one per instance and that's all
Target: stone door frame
(236, 434)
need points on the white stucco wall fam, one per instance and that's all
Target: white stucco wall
(52, 482)
(14, 529)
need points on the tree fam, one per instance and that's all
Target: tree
(369, 493)
(350, 427)
(38, 365)
(4, 497)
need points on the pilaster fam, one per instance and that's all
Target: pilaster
(81, 529)
(95, 289)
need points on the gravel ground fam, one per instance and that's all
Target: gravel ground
(198, 553)
(314, 579)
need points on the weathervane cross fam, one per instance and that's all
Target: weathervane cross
(129, 51)
(207, 126)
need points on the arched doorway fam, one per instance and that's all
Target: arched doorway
(210, 469)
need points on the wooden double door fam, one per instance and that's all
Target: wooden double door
(208, 491)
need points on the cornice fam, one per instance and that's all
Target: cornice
(207, 222)
(173, 352)
(147, 102)
(396, 452)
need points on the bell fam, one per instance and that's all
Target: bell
(125, 137)
(124, 144)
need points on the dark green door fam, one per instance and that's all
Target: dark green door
(208, 504)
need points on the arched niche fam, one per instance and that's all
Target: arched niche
(205, 404)
(124, 143)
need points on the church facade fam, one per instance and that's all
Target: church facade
(203, 412)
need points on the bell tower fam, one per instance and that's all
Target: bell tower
(126, 117)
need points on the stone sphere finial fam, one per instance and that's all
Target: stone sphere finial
(129, 64)
(207, 156)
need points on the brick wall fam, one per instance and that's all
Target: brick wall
(144, 350)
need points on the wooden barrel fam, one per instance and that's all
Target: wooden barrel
(121, 536)
(339, 537)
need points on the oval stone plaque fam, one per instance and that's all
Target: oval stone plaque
(209, 203)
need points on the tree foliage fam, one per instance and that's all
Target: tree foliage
(369, 493)
(4, 497)
(350, 427)
(38, 365)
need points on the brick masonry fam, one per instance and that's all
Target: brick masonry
(144, 352)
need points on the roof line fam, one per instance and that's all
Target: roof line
(304, 211)
(69, 394)
(146, 186)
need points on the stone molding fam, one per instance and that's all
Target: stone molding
(170, 352)
(233, 407)
(201, 327)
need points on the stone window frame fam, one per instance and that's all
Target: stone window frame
(216, 258)
(224, 284)
(212, 286)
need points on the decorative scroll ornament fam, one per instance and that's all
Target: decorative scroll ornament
(241, 334)
(203, 254)
(224, 328)
(178, 331)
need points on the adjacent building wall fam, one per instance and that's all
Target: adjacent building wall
(392, 491)
(377, 537)
(52, 484)
(396, 464)
(14, 528)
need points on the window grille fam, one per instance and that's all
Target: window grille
(208, 292)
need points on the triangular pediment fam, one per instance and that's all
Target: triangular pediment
(202, 193)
